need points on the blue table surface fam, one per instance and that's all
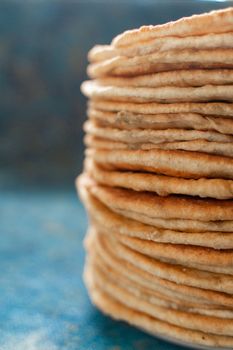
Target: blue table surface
(44, 304)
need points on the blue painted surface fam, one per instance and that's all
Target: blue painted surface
(44, 304)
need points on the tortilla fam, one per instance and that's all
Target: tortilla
(217, 109)
(152, 296)
(164, 94)
(107, 221)
(213, 22)
(209, 41)
(170, 332)
(202, 146)
(128, 120)
(153, 136)
(184, 164)
(181, 78)
(208, 298)
(209, 324)
(172, 272)
(162, 185)
(162, 62)
(201, 258)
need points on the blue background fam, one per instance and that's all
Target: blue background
(43, 47)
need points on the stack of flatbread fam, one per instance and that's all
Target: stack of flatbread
(158, 179)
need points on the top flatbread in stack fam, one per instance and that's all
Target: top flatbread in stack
(158, 178)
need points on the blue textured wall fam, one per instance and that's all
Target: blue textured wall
(43, 46)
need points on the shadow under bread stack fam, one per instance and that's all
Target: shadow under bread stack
(158, 179)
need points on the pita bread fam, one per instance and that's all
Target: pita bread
(153, 136)
(210, 41)
(209, 324)
(181, 78)
(216, 109)
(208, 298)
(106, 220)
(220, 21)
(184, 164)
(202, 146)
(162, 61)
(169, 94)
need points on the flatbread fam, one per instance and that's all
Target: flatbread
(118, 311)
(162, 185)
(161, 114)
(184, 164)
(107, 221)
(202, 146)
(172, 272)
(208, 298)
(220, 21)
(205, 259)
(181, 78)
(146, 206)
(162, 61)
(101, 52)
(151, 296)
(128, 120)
(171, 207)
(209, 41)
(178, 224)
(93, 89)
(209, 324)
(209, 108)
(153, 136)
